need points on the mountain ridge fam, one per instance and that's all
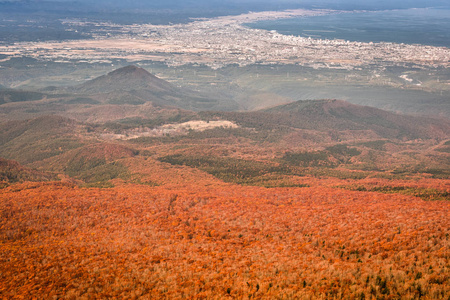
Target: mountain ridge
(338, 115)
(11, 172)
(135, 85)
(127, 78)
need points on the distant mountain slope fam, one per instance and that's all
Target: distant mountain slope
(389, 122)
(287, 140)
(128, 92)
(134, 85)
(96, 162)
(33, 140)
(61, 146)
(11, 171)
(337, 115)
(11, 95)
(128, 78)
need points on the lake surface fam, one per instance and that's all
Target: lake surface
(426, 26)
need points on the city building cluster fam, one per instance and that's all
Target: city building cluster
(226, 40)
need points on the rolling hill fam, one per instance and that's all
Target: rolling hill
(340, 116)
(11, 95)
(12, 172)
(315, 137)
(40, 138)
(129, 78)
(134, 85)
(128, 92)
(58, 145)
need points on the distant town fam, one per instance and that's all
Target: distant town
(224, 41)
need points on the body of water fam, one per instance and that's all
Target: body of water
(426, 26)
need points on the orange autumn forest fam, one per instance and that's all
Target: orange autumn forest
(211, 151)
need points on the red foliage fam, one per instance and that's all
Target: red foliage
(58, 240)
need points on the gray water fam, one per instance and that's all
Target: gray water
(426, 26)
